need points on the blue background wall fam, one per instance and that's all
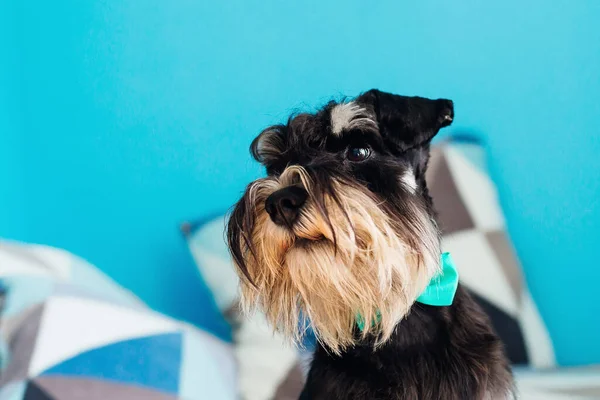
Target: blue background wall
(119, 120)
(11, 211)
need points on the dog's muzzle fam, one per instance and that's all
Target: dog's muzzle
(284, 205)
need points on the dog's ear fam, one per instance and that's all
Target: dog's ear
(268, 145)
(407, 121)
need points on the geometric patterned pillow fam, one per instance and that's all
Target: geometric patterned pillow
(267, 366)
(72, 333)
(474, 232)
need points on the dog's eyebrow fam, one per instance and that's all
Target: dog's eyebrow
(355, 136)
(351, 116)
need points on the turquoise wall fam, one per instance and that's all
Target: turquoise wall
(129, 117)
(12, 217)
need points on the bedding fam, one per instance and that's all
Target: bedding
(72, 333)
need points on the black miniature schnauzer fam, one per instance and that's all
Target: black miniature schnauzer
(342, 232)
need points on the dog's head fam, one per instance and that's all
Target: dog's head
(342, 227)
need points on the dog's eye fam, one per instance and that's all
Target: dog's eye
(358, 153)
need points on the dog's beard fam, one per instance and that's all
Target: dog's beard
(348, 256)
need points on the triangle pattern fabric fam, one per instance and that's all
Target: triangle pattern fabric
(91, 324)
(291, 386)
(13, 390)
(73, 341)
(34, 392)
(433, 164)
(10, 326)
(79, 388)
(151, 362)
(536, 336)
(263, 356)
(212, 257)
(454, 216)
(499, 243)
(507, 327)
(14, 265)
(17, 252)
(460, 184)
(21, 345)
(476, 190)
(69, 290)
(480, 270)
(32, 290)
(31, 259)
(95, 281)
(212, 366)
(473, 153)
(56, 260)
(577, 383)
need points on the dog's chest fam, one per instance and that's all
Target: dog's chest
(448, 376)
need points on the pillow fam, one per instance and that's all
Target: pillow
(3, 345)
(72, 333)
(473, 231)
(268, 367)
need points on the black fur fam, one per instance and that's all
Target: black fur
(436, 352)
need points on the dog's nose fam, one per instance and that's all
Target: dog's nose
(284, 205)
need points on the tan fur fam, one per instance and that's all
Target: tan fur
(375, 271)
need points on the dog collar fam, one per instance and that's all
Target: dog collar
(442, 287)
(440, 291)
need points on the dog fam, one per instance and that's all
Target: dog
(341, 234)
